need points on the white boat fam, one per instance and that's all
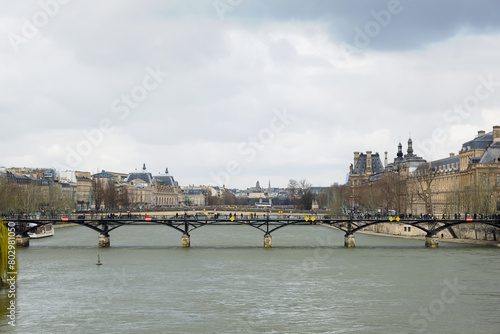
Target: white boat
(42, 232)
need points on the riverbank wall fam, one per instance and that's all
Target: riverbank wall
(465, 234)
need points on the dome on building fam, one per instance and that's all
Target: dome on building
(410, 160)
(165, 178)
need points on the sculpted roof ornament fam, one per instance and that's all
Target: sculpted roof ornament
(410, 147)
(400, 150)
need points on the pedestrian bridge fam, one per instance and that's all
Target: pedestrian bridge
(267, 224)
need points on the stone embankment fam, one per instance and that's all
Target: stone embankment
(457, 241)
(65, 225)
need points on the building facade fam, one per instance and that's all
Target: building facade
(148, 191)
(467, 183)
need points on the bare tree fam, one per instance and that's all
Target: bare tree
(337, 200)
(123, 198)
(97, 193)
(110, 195)
(369, 197)
(30, 197)
(55, 200)
(228, 198)
(293, 189)
(300, 194)
(424, 175)
(212, 200)
(7, 195)
(453, 201)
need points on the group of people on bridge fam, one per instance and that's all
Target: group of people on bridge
(422, 216)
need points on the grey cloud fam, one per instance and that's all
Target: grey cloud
(418, 24)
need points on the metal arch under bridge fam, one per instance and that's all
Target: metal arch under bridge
(267, 224)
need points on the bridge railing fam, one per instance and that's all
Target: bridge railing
(240, 215)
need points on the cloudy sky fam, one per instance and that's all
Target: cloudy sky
(235, 91)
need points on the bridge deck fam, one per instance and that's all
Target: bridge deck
(266, 224)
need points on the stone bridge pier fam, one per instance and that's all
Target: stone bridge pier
(103, 241)
(431, 241)
(185, 241)
(349, 241)
(22, 240)
(268, 241)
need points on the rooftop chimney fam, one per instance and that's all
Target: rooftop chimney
(385, 162)
(481, 133)
(356, 158)
(368, 161)
(496, 133)
(452, 154)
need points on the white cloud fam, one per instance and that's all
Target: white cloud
(224, 80)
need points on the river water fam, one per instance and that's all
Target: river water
(228, 283)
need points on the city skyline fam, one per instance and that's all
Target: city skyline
(403, 150)
(231, 92)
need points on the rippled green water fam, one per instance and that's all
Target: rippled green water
(228, 283)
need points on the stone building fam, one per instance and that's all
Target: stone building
(196, 196)
(148, 191)
(83, 190)
(467, 183)
(166, 192)
(83, 184)
(366, 168)
(39, 190)
(115, 177)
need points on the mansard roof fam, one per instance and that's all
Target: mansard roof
(450, 161)
(484, 142)
(144, 176)
(479, 143)
(165, 179)
(377, 166)
(375, 177)
(491, 155)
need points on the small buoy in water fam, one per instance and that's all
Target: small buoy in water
(98, 260)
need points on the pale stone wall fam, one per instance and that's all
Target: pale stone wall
(398, 229)
(464, 231)
(166, 195)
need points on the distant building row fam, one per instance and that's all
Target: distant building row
(136, 190)
(86, 191)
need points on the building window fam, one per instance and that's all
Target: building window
(498, 179)
(485, 180)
